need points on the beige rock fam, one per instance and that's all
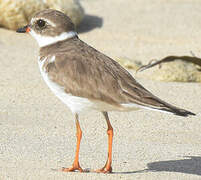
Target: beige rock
(128, 63)
(15, 14)
(177, 70)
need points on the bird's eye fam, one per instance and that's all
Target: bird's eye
(41, 23)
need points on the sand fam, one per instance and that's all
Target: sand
(37, 132)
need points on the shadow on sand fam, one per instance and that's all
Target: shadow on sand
(188, 166)
(89, 22)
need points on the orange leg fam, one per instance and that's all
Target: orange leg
(108, 168)
(76, 165)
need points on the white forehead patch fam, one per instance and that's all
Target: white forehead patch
(47, 40)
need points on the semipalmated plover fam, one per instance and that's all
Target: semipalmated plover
(85, 79)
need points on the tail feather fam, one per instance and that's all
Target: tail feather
(179, 112)
(163, 106)
(175, 110)
(171, 108)
(138, 95)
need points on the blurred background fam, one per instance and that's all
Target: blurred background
(133, 32)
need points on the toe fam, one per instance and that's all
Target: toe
(104, 170)
(72, 169)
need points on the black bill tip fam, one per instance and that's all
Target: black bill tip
(23, 29)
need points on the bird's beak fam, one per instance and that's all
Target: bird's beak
(24, 29)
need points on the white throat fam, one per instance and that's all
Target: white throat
(47, 40)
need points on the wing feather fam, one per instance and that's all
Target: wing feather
(93, 75)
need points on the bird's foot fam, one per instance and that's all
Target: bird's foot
(75, 167)
(105, 169)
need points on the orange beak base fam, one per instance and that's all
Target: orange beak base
(28, 29)
(24, 29)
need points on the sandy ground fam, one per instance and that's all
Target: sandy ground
(37, 133)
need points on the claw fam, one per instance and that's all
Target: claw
(72, 169)
(104, 170)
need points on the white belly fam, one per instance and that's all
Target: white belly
(76, 104)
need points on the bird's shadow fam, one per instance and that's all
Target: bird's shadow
(191, 165)
(89, 22)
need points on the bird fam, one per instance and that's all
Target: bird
(85, 79)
